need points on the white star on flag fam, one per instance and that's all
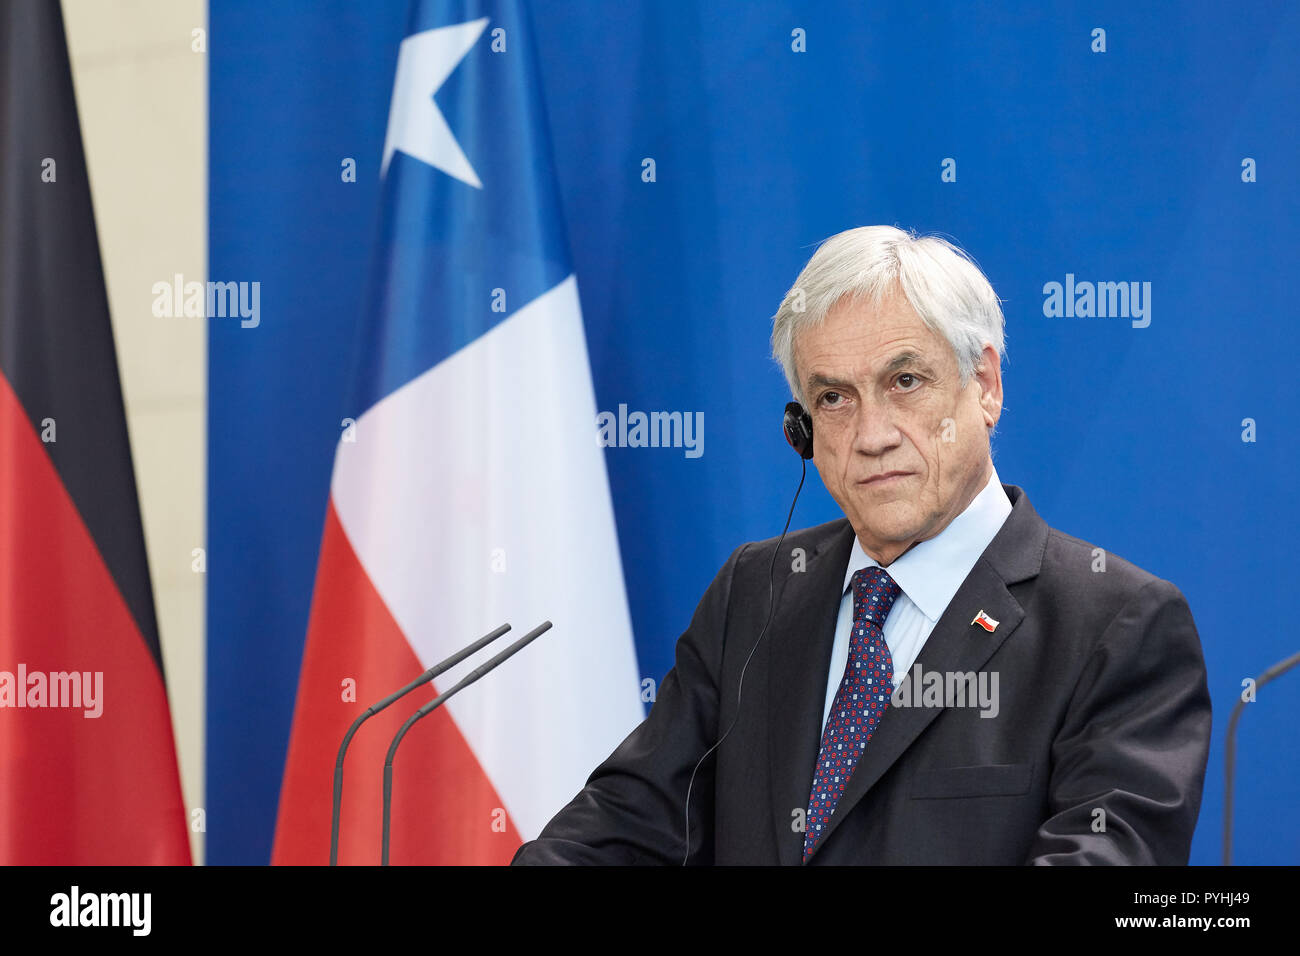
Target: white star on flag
(415, 124)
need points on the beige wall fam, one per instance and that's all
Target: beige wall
(142, 96)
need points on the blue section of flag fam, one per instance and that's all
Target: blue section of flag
(453, 260)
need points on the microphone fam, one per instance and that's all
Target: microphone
(373, 709)
(437, 702)
(1230, 751)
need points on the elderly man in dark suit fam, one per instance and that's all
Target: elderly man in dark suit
(938, 677)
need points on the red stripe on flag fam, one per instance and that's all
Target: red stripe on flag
(74, 789)
(445, 810)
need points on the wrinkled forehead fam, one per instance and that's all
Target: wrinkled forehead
(857, 334)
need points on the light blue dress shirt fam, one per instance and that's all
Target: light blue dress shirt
(929, 575)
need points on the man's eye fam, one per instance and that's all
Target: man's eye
(828, 398)
(906, 379)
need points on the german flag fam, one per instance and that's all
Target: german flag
(87, 761)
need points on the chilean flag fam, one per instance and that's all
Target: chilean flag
(87, 762)
(468, 487)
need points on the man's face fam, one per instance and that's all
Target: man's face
(885, 397)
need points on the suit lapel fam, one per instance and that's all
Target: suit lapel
(798, 650)
(955, 644)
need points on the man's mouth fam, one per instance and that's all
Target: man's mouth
(884, 478)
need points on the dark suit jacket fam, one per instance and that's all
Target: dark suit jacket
(1097, 753)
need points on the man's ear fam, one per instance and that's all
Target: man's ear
(988, 373)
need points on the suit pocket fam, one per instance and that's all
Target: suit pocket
(990, 780)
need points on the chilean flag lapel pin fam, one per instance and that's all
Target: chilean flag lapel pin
(984, 621)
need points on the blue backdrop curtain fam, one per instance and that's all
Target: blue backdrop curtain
(1131, 164)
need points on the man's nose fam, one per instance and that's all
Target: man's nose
(874, 428)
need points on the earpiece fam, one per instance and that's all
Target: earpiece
(799, 433)
(799, 429)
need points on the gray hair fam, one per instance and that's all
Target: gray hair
(942, 284)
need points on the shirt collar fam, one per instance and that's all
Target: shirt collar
(931, 572)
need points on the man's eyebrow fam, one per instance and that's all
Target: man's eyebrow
(818, 380)
(905, 359)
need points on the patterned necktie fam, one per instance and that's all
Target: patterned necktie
(859, 703)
